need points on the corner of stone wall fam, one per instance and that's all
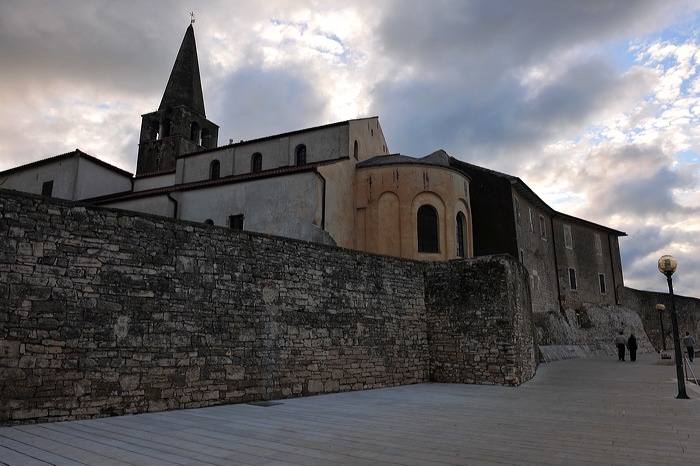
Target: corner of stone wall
(480, 321)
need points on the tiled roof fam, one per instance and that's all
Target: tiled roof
(437, 159)
(530, 195)
(68, 155)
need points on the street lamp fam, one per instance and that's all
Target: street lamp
(661, 308)
(668, 265)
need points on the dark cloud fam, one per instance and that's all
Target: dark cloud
(506, 121)
(458, 72)
(489, 37)
(254, 103)
(641, 250)
(84, 42)
(646, 197)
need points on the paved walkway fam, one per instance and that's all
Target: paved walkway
(579, 411)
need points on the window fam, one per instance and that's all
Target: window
(543, 228)
(516, 203)
(166, 129)
(235, 222)
(206, 137)
(598, 245)
(427, 229)
(601, 281)
(301, 155)
(568, 240)
(256, 163)
(460, 234)
(194, 132)
(532, 224)
(152, 133)
(355, 150)
(522, 256)
(47, 188)
(214, 170)
(572, 279)
(535, 280)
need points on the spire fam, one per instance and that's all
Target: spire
(185, 86)
(179, 126)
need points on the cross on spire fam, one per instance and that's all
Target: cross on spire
(192, 17)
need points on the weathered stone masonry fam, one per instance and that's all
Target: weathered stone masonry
(480, 327)
(106, 312)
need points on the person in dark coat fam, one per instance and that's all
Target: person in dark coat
(632, 346)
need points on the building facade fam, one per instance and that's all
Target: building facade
(338, 184)
(571, 262)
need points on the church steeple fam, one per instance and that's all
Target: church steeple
(185, 86)
(179, 126)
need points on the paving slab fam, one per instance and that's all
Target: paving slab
(573, 412)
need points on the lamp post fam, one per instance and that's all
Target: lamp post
(668, 265)
(661, 308)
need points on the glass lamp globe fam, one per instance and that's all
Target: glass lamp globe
(667, 265)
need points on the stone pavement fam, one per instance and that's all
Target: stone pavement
(578, 411)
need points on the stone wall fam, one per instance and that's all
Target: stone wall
(587, 332)
(644, 304)
(480, 323)
(106, 312)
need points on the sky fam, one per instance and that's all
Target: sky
(593, 104)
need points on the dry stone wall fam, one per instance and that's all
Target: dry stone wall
(480, 322)
(644, 304)
(105, 312)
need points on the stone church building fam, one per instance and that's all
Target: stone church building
(312, 261)
(337, 184)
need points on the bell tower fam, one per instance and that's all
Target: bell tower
(179, 126)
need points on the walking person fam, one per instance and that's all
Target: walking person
(621, 342)
(632, 346)
(689, 343)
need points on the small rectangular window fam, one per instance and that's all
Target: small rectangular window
(543, 228)
(572, 279)
(598, 245)
(47, 188)
(522, 256)
(532, 224)
(516, 203)
(535, 280)
(601, 280)
(568, 240)
(235, 222)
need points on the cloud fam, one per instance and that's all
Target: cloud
(595, 105)
(84, 43)
(254, 103)
(484, 39)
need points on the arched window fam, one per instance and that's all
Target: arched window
(355, 149)
(209, 221)
(214, 170)
(301, 155)
(460, 234)
(427, 229)
(152, 134)
(206, 137)
(194, 132)
(256, 163)
(165, 130)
